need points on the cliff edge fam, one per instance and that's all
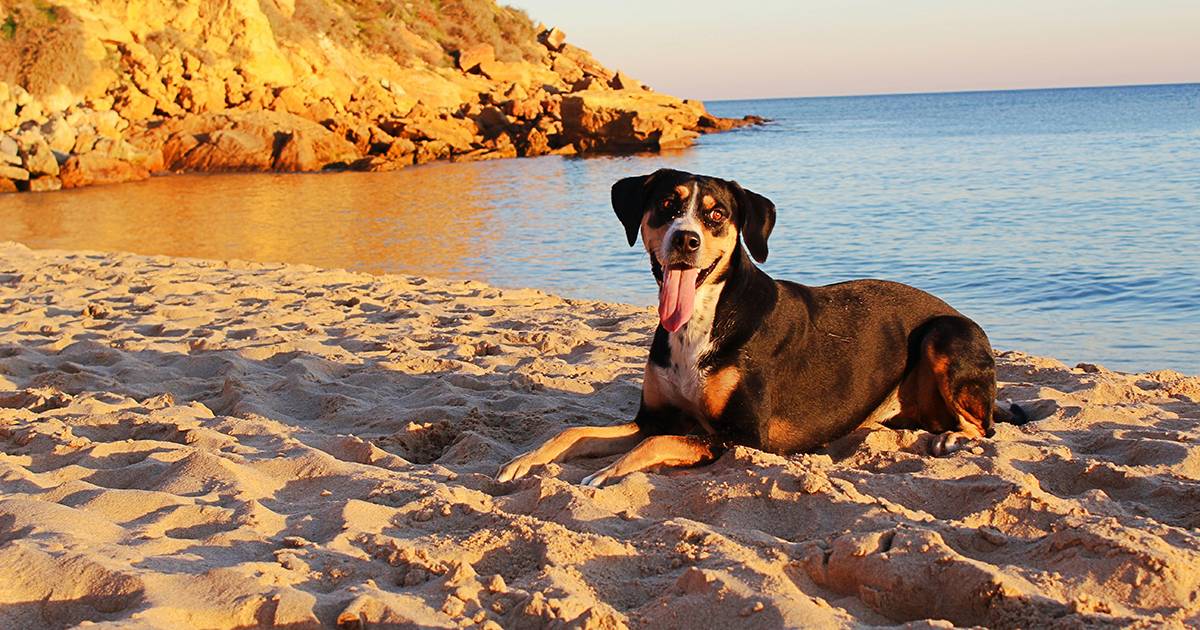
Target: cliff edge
(103, 91)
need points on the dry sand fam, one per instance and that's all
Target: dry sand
(191, 443)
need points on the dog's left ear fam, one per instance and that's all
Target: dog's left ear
(756, 219)
(629, 201)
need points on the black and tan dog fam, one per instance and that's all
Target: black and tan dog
(740, 358)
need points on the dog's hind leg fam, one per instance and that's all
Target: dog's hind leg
(956, 353)
(573, 442)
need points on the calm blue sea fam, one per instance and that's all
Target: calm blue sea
(1067, 222)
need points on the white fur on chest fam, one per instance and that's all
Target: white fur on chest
(683, 382)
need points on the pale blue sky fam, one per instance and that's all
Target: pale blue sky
(727, 49)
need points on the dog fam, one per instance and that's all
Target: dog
(739, 358)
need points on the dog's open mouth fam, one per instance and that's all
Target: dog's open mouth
(677, 294)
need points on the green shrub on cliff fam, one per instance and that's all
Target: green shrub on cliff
(42, 45)
(385, 26)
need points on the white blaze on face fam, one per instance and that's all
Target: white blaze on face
(688, 221)
(677, 295)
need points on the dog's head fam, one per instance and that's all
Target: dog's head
(690, 225)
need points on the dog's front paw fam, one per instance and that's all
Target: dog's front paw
(950, 442)
(603, 476)
(518, 467)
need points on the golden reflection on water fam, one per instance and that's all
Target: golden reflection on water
(414, 220)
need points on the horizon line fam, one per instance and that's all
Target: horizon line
(942, 92)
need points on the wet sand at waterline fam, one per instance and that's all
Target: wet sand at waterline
(212, 444)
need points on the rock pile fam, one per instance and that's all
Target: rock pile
(246, 89)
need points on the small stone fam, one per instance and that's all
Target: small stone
(95, 311)
(9, 151)
(454, 606)
(461, 573)
(751, 609)
(326, 493)
(992, 535)
(46, 183)
(415, 576)
(296, 542)
(694, 581)
(496, 584)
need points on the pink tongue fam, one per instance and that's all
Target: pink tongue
(676, 296)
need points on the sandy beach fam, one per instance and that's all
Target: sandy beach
(230, 445)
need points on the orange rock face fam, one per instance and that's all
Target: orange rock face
(254, 141)
(91, 169)
(244, 86)
(628, 120)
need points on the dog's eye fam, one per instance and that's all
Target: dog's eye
(716, 215)
(670, 204)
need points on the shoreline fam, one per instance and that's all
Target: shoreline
(298, 446)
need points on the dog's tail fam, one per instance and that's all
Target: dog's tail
(1009, 413)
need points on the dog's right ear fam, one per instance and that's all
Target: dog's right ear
(629, 201)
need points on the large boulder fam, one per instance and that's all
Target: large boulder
(522, 73)
(307, 149)
(227, 150)
(453, 134)
(439, 90)
(567, 69)
(93, 168)
(628, 120)
(587, 62)
(254, 141)
(492, 121)
(536, 143)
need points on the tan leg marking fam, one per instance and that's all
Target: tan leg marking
(718, 387)
(660, 450)
(586, 441)
(573, 442)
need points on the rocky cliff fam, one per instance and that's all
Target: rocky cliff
(101, 91)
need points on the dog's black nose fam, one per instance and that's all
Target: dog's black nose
(686, 241)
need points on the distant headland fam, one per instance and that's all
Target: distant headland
(103, 93)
